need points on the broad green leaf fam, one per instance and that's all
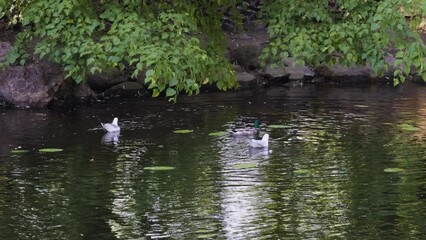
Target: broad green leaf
(173, 82)
(90, 61)
(170, 92)
(149, 73)
(155, 92)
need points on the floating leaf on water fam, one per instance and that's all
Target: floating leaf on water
(408, 127)
(245, 165)
(19, 151)
(393, 170)
(204, 231)
(50, 150)
(361, 106)
(207, 236)
(217, 134)
(278, 126)
(183, 131)
(301, 171)
(159, 168)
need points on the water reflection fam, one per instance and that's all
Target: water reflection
(259, 152)
(110, 138)
(325, 174)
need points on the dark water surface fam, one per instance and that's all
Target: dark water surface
(348, 163)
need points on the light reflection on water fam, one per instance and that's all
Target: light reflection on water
(322, 176)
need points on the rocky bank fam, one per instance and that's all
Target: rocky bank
(42, 83)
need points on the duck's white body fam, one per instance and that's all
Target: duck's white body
(111, 127)
(260, 143)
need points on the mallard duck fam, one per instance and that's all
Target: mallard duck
(248, 131)
(111, 127)
(260, 143)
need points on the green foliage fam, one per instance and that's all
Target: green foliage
(346, 32)
(179, 45)
(2, 8)
(160, 38)
(4, 4)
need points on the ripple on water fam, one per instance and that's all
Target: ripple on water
(333, 168)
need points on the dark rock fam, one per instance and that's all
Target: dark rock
(296, 76)
(4, 49)
(247, 55)
(290, 72)
(105, 80)
(418, 79)
(33, 85)
(237, 68)
(297, 69)
(82, 91)
(141, 76)
(275, 74)
(128, 86)
(126, 89)
(38, 84)
(246, 80)
(346, 74)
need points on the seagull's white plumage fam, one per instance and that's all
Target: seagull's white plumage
(111, 127)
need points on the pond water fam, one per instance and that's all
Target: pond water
(342, 163)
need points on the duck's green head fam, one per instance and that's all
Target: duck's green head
(257, 123)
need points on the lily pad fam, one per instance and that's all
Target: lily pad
(408, 127)
(361, 106)
(50, 150)
(278, 126)
(183, 131)
(301, 171)
(19, 151)
(207, 236)
(393, 170)
(217, 134)
(245, 165)
(159, 168)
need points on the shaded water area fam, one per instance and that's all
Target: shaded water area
(343, 163)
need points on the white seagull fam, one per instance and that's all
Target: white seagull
(111, 127)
